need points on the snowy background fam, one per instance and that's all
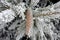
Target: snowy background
(46, 19)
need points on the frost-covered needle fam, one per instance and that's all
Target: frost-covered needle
(29, 21)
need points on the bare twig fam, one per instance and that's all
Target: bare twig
(29, 21)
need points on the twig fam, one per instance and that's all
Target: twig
(29, 21)
(47, 14)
